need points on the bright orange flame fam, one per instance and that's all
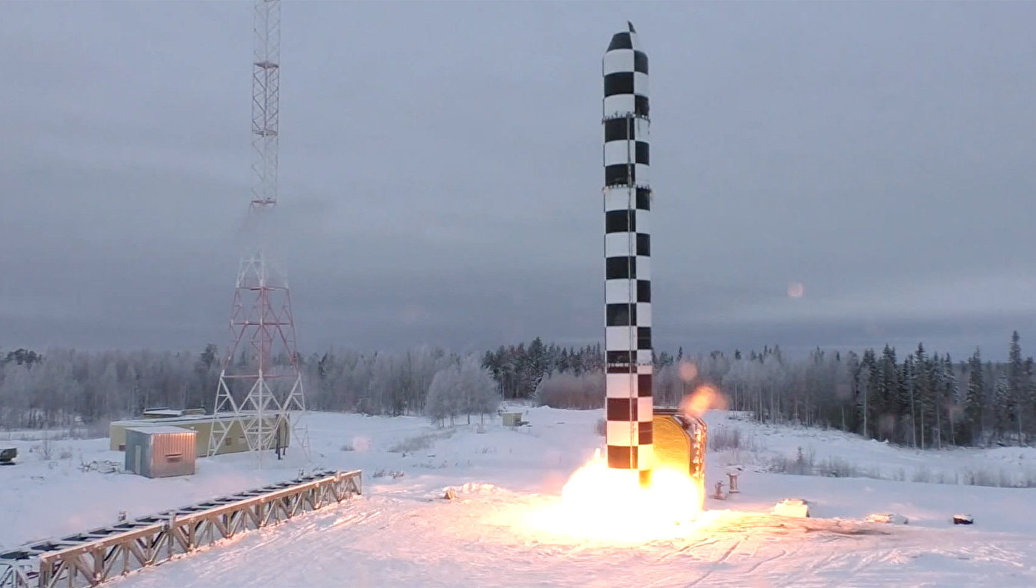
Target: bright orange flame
(703, 399)
(610, 505)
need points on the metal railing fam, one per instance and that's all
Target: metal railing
(89, 558)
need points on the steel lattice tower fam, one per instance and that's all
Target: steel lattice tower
(260, 384)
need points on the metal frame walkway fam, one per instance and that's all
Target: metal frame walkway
(89, 558)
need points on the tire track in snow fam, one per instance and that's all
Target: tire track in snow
(671, 554)
(865, 564)
(783, 554)
(716, 564)
(807, 577)
(835, 557)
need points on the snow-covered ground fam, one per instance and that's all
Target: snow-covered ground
(498, 532)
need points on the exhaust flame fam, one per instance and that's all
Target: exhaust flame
(610, 505)
(604, 504)
(703, 399)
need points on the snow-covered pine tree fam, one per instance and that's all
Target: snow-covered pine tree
(1002, 405)
(1017, 387)
(974, 399)
(857, 390)
(908, 431)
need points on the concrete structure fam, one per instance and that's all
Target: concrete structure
(160, 452)
(627, 252)
(233, 442)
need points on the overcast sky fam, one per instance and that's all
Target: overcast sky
(441, 172)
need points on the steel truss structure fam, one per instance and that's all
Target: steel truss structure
(266, 100)
(93, 557)
(260, 383)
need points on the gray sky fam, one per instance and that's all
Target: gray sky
(441, 172)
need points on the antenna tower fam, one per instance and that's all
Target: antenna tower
(259, 399)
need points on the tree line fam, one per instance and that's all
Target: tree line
(923, 400)
(919, 399)
(68, 388)
(519, 369)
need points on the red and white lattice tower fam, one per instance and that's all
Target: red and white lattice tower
(260, 395)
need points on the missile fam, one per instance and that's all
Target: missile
(627, 252)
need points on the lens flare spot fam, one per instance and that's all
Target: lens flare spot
(796, 290)
(688, 371)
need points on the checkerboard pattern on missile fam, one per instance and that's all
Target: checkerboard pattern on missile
(627, 251)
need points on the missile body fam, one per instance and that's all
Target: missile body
(627, 251)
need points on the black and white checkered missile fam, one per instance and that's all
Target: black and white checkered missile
(627, 251)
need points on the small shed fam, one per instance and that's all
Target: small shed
(512, 419)
(203, 424)
(160, 452)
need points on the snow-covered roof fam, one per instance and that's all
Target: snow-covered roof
(160, 430)
(188, 418)
(173, 412)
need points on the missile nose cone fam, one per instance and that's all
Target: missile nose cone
(624, 40)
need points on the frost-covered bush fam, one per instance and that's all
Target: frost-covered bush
(922, 474)
(1000, 477)
(44, 449)
(836, 467)
(583, 392)
(800, 465)
(419, 442)
(720, 439)
(724, 438)
(464, 388)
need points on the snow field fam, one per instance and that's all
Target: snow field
(401, 532)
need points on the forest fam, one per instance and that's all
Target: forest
(919, 399)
